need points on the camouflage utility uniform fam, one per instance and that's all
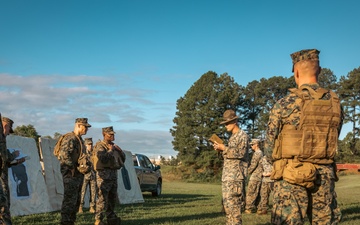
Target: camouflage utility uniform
(234, 175)
(254, 185)
(5, 174)
(291, 202)
(106, 180)
(5, 217)
(267, 185)
(70, 151)
(89, 180)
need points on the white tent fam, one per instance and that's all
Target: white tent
(52, 174)
(133, 195)
(44, 180)
(37, 199)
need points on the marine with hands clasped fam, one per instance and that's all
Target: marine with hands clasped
(301, 139)
(108, 158)
(236, 158)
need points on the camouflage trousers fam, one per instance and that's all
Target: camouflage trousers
(291, 203)
(5, 217)
(265, 190)
(107, 195)
(252, 194)
(233, 194)
(71, 202)
(5, 197)
(89, 181)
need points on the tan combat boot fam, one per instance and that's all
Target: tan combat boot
(248, 211)
(262, 212)
(80, 210)
(99, 222)
(92, 210)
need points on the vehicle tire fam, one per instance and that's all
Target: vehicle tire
(157, 192)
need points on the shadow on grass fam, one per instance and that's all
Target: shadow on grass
(351, 213)
(169, 199)
(151, 202)
(173, 219)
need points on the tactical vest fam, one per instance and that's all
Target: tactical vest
(115, 163)
(315, 139)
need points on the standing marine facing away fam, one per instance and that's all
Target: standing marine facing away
(301, 139)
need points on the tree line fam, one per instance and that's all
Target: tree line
(200, 110)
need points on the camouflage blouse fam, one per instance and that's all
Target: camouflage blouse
(267, 168)
(255, 168)
(106, 156)
(70, 150)
(236, 157)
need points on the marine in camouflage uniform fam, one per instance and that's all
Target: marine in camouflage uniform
(105, 159)
(8, 158)
(70, 150)
(267, 185)
(5, 217)
(5, 175)
(236, 158)
(292, 202)
(255, 169)
(89, 180)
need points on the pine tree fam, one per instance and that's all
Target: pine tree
(198, 115)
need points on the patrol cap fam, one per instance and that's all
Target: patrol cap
(228, 116)
(254, 141)
(9, 121)
(108, 130)
(306, 54)
(88, 141)
(83, 121)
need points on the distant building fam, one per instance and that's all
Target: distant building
(158, 160)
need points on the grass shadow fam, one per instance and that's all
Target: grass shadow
(168, 199)
(173, 219)
(351, 213)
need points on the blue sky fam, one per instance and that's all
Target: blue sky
(125, 63)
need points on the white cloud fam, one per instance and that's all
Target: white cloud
(52, 102)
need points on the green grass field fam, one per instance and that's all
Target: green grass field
(194, 204)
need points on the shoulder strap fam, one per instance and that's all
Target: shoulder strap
(58, 144)
(334, 96)
(81, 144)
(318, 94)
